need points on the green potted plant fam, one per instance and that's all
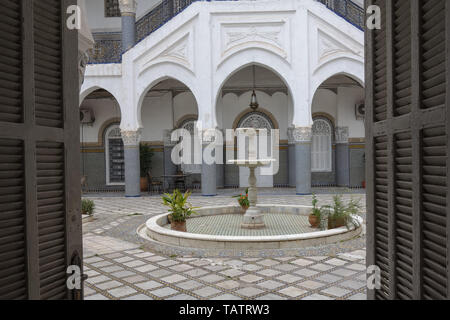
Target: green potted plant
(316, 215)
(180, 210)
(243, 200)
(342, 215)
(145, 157)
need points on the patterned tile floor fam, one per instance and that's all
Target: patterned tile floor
(119, 267)
(229, 225)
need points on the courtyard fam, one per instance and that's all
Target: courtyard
(121, 265)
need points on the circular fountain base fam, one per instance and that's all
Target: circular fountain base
(253, 219)
(220, 228)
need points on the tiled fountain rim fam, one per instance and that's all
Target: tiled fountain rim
(155, 231)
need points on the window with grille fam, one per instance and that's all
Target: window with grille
(115, 162)
(112, 8)
(321, 146)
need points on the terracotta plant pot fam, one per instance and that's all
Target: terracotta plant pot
(178, 226)
(314, 221)
(334, 223)
(144, 184)
(244, 208)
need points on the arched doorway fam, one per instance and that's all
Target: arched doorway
(102, 155)
(337, 149)
(166, 106)
(275, 111)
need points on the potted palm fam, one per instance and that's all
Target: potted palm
(316, 215)
(145, 157)
(342, 215)
(180, 210)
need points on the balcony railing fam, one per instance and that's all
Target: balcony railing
(108, 50)
(348, 10)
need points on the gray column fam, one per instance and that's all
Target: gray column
(291, 159)
(128, 12)
(170, 168)
(221, 168)
(342, 157)
(132, 163)
(209, 171)
(302, 137)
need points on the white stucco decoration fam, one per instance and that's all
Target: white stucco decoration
(127, 6)
(301, 41)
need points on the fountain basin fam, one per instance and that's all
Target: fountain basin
(157, 229)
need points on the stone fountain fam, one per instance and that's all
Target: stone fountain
(253, 218)
(217, 227)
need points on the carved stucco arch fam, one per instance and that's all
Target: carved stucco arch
(87, 89)
(249, 57)
(342, 66)
(164, 71)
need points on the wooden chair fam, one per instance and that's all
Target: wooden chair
(154, 185)
(84, 184)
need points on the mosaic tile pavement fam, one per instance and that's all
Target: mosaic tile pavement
(230, 225)
(119, 267)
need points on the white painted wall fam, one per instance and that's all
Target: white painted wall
(341, 107)
(346, 100)
(325, 101)
(104, 110)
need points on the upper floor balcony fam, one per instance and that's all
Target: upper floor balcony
(108, 45)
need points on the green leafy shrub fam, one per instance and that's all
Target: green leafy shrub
(316, 210)
(179, 208)
(145, 157)
(340, 213)
(87, 207)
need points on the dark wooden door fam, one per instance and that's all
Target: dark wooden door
(40, 222)
(408, 101)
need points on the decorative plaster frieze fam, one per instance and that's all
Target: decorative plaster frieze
(271, 35)
(209, 135)
(179, 52)
(302, 134)
(127, 6)
(342, 135)
(131, 138)
(329, 47)
(290, 134)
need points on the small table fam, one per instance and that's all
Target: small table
(175, 177)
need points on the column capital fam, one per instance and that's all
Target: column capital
(342, 135)
(167, 138)
(127, 7)
(300, 135)
(208, 136)
(131, 138)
